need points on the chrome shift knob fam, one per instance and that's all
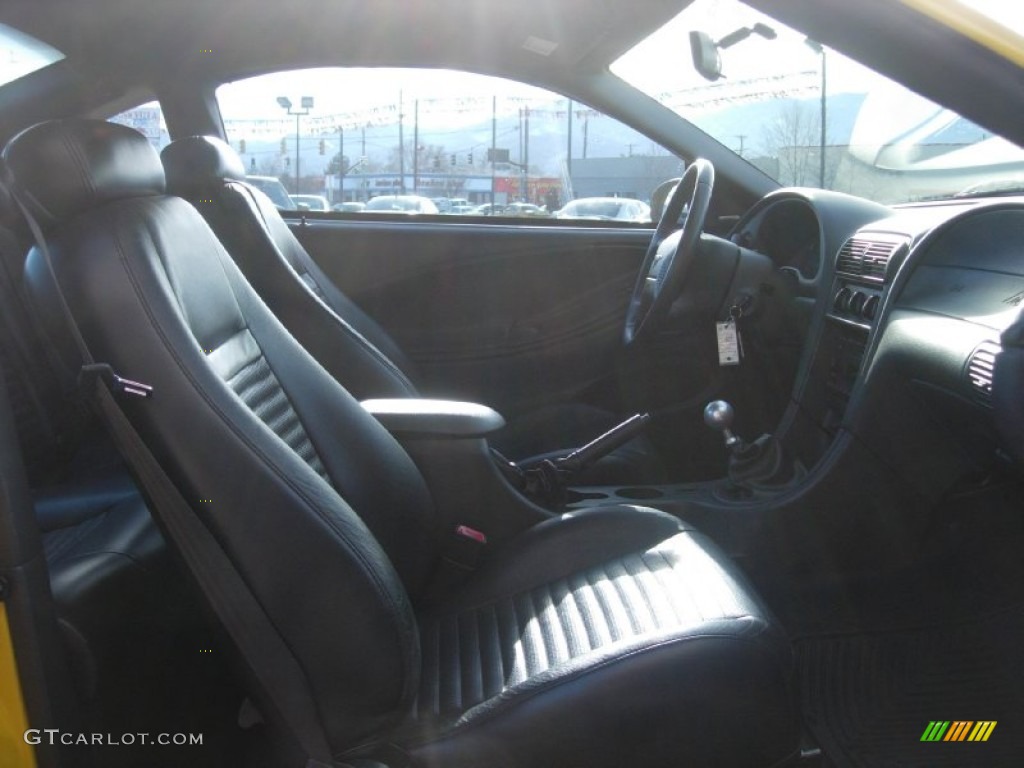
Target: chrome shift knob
(718, 415)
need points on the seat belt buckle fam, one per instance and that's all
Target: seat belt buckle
(117, 384)
(471, 533)
(466, 547)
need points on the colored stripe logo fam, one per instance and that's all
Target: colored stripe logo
(958, 730)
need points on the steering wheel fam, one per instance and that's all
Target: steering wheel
(671, 252)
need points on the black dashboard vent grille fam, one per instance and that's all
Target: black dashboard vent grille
(868, 257)
(980, 368)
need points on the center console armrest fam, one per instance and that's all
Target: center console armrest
(448, 441)
(416, 417)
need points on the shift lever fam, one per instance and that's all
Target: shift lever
(719, 415)
(758, 464)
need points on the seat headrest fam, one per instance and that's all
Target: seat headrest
(64, 167)
(198, 162)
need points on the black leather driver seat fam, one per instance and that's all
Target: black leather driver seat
(617, 636)
(355, 349)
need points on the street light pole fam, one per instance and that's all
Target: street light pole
(306, 105)
(819, 49)
(824, 115)
(341, 164)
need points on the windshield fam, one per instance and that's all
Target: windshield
(808, 116)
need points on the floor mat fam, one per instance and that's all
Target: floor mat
(868, 698)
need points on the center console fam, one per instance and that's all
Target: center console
(863, 274)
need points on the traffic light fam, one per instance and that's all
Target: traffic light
(453, 158)
(323, 146)
(470, 158)
(284, 147)
(437, 161)
(241, 146)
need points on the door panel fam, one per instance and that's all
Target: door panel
(514, 316)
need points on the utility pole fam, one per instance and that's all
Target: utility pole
(824, 116)
(306, 105)
(341, 163)
(586, 125)
(568, 151)
(743, 138)
(494, 143)
(401, 148)
(819, 49)
(526, 156)
(416, 147)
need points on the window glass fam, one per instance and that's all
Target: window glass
(147, 119)
(438, 142)
(21, 54)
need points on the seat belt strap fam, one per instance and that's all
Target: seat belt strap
(272, 664)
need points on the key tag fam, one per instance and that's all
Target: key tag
(730, 346)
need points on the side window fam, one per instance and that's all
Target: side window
(438, 142)
(147, 119)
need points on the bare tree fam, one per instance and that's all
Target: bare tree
(427, 155)
(338, 162)
(793, 137)
(793, 141)
(269, 165)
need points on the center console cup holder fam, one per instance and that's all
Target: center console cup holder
(640, 493)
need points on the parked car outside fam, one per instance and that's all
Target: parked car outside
(311, 202)
(401, 204)
(605, 209)
(487, 209)
(349, 206)
(274, 189)
(525, 209)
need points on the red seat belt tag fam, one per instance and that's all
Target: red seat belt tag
(471, 533)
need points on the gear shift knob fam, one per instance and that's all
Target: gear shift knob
(718, 415)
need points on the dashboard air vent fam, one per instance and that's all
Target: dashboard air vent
(868, 257)
(980, 368)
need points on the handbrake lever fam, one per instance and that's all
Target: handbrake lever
(547, 480)
(601, 446)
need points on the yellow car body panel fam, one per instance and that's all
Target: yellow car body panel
(974, 25)
(14, 751)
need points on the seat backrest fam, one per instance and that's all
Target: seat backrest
(322, 513)
(346, 341)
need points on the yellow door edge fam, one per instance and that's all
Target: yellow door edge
(15, 752)
(974, 25)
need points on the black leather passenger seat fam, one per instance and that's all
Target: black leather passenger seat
(615, 636)
(356, 350)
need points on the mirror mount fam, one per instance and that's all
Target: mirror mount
(707, 54)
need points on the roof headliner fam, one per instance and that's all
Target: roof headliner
(117, 46)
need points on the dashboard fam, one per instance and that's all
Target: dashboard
(915, 347)
(788, 233)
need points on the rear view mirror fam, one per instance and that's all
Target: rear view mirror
(707, 53)
(707, 59)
